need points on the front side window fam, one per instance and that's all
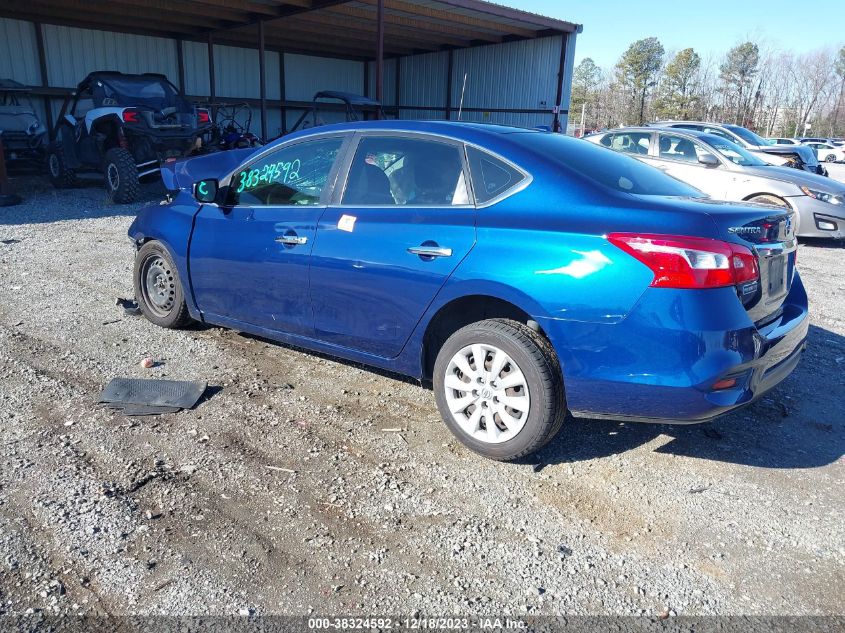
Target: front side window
(679, 148)
(733, 152)
(395, 170)
(491, 177)
(293, 175)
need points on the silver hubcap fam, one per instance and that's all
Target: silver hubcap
(487, 393)
(113, 176)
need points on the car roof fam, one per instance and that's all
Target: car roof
(727, 126)
(656, 127)
(111, 74)
(351, 97)
(467, 132)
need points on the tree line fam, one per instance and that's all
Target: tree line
(775, 93)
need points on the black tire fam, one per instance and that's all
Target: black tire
(535, 358)
(770, 199)
(60, 174)
(831, 158)
(158, 289)
(121, 176)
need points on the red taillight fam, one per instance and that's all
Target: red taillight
(689, 262)
(130, 116)
(203, 116)
(724, 383)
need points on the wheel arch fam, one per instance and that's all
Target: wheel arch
(110, 125)
(771, 195)
(173, 237)
(462, 310)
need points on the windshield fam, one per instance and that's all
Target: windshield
(733, 152)
(15, 98)
(747, 135)
(140, 91)
(606, 167)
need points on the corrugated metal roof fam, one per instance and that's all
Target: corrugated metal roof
(338, 28)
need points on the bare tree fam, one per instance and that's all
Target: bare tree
(773, 91)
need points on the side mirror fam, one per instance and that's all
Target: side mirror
(206, 190)
(708, 160)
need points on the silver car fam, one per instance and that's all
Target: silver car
(797, 156)
(725, 171)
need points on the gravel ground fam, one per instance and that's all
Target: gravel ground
(291, 491)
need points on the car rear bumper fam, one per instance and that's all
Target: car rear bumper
(661, 362)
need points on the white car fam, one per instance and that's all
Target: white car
(827, 152)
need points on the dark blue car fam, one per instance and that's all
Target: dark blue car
(522, 273)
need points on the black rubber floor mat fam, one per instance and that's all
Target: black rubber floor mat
(181, 394)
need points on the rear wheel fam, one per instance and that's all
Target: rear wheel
(831, 158)
(121, 176)
(499, 388)
(61, 175)
(767, 198)
(158, 288)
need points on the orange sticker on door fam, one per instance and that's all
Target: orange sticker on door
(346, 223)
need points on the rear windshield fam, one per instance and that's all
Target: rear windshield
(153, 93)
(605, 167)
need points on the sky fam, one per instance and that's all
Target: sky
(708, 26)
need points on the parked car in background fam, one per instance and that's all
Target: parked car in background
(21, 130)
(789, 155)
(232, 127)
(125, 126)
(725, 171)
(814, 139)
(523, 273)
(325, 107)
(783, 141)
(827, 152)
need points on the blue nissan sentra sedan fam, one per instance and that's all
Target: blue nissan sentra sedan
(522, 273)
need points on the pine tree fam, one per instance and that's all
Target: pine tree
(677, 98)
(637, 72)
(737, 74)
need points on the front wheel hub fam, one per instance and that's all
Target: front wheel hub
(158, 285)
(113, 177)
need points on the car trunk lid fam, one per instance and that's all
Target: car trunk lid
(770, 233)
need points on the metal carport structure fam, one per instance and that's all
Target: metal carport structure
(432, 34)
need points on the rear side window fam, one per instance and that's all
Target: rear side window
(403, 171)
(491, 176)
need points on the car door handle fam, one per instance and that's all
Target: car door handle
(291, 240)
(430, 251)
